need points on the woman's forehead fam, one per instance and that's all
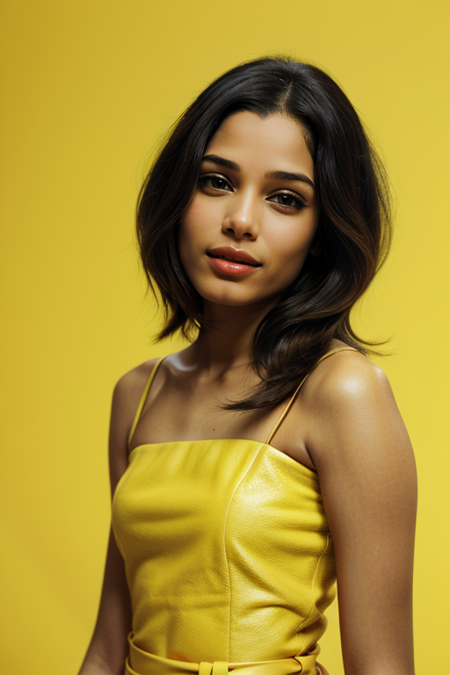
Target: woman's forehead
(275, 142)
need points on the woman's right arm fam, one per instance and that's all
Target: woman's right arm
(108, 647)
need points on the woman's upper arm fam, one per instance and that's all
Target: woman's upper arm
(367, 474)
(108, 647)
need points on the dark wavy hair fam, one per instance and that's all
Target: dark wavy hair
(354, 227)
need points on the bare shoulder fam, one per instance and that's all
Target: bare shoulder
(354, 415)
(130, 386)
(125, 401)
(346, 377)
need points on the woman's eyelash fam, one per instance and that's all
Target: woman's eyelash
(299, 203)
(209, 178)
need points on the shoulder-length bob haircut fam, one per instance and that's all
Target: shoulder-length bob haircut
(354, 230)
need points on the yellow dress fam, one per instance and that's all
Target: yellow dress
(228, 556)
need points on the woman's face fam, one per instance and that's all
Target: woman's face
(255, 197)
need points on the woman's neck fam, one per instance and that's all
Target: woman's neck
(226, 343)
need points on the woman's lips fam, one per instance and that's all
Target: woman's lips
(233, 254)
(234, 262)
(232, 268)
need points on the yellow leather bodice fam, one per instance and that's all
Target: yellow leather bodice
(227, 550)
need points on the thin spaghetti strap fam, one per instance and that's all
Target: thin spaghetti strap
(292, 399)
(144, 398)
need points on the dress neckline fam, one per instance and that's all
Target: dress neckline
(301, 467)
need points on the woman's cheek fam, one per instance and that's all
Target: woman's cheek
(202, 214)
(292, 253)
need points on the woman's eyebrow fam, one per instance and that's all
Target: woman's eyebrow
(227, 163)
(287, 175)
(276, 175)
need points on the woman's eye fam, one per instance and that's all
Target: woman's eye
(215, 182)
(288, 201)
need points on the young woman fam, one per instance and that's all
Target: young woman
(252, 469)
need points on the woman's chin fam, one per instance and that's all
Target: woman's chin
(239, 301)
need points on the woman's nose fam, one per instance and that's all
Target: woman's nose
(242, 217)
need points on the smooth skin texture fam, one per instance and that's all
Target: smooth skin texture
(344, 424)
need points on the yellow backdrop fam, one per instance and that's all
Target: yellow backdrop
(89, 89)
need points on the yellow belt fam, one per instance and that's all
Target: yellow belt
(140, 662)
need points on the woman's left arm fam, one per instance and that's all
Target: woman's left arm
(367, 474)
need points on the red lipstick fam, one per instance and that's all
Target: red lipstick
(232, 261)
